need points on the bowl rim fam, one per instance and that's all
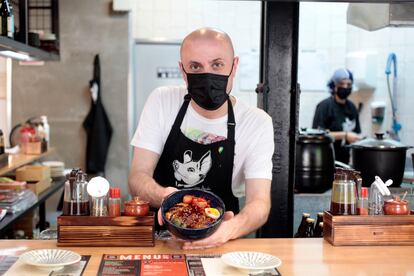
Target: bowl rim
(218, 221)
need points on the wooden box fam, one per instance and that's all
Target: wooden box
(32, 173)
(368, 230)
(106, 231)
(39, 186)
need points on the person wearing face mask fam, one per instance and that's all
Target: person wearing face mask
(339, 115)
(200, 136)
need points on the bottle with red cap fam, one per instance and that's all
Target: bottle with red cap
(363, 202)
(114, 203)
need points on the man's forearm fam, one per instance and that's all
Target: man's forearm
(253, 215)
(143, 185)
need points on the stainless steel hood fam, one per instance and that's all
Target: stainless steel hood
(372, 17)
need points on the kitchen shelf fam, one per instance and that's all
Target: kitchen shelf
(16, 46)
(18, 160)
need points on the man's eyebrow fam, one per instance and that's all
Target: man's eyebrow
(216, 59)
(194, 62)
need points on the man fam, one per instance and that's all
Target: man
(339, 115)
(201, 137)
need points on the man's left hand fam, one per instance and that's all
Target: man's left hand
(218, 238)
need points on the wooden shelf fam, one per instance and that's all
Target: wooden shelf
(18, 160)
(35, 53)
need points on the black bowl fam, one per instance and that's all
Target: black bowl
(188, 233)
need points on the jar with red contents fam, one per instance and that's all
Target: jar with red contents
(114, 204)
(27, 135)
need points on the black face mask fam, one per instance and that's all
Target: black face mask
(208, 90)
(343, 93)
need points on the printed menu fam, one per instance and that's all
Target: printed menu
(170, 264)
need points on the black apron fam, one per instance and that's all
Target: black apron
(187, 164)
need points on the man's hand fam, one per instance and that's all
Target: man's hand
(223, 234)
(352, 137)
(167, 192)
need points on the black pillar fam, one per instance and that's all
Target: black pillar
(280, 99)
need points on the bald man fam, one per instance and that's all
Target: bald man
(199, 136)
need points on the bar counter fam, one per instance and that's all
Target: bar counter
(299, 256)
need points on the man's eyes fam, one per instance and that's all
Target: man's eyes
(217, 65)
(198, 67)
(195, 67)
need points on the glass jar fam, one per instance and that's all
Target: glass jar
(344, 195)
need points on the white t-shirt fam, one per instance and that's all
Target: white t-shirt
(253, 134)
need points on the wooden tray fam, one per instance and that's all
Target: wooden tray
(368, 230)
(106, 231)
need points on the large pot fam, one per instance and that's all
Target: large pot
(315, 161)
(378, 156)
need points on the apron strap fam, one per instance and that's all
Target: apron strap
(181, 113)
(231, 122)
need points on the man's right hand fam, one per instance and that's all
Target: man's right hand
(352, 137)
(167, 192)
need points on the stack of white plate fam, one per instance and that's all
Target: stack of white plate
(56, 168)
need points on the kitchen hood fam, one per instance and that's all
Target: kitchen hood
(373, 17)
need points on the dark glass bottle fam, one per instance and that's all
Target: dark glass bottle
(319, 219)
(7, 19)
(309, 228)
(302, 226)
(1, 142)
(318, 233)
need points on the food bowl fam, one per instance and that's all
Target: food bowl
(192, 233)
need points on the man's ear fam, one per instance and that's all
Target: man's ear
(181, 66)
(235, 66)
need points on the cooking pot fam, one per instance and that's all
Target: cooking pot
(315, 161)
(379, 156)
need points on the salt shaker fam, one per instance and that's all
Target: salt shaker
(98, 188)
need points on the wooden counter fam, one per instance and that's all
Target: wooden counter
(299, 256)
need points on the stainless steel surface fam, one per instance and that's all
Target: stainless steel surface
(372, 17)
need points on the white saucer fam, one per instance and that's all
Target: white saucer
(254, 262)
(50, 259)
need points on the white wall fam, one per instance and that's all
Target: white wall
(323, 27)
(173, 20)
(5, 97)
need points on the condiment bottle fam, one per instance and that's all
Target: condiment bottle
(114, 204)
(344, 195)
(377, 192)
(363, 202)
(98, 188)
(309, 228)
(302, 226)
(318, 233)
(75, 199)
(1, 142)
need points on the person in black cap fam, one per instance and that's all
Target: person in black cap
(338, 114)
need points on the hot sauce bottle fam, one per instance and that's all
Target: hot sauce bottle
(114, 204)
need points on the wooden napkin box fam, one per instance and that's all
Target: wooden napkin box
(32, 173)
(39, 186)
(368, 230)
(106, 231)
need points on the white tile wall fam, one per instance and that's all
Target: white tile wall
(173, 20)
(323, 26)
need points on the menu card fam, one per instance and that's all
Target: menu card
(170, 264)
